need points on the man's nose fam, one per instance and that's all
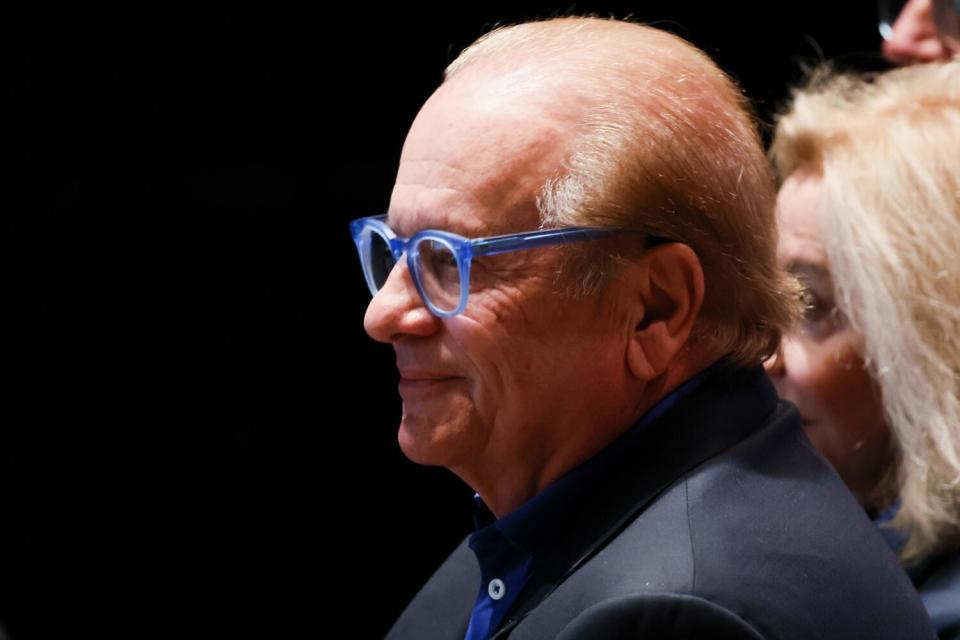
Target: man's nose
(397, 310)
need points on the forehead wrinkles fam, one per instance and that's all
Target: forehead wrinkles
(425, 196)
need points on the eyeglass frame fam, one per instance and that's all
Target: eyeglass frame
(464, 250)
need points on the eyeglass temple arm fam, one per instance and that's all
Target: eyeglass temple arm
(534, 239)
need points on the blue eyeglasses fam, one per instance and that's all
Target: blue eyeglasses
(440, 261)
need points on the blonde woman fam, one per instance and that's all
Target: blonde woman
(870, 222)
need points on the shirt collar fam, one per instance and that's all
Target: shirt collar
(533, 526)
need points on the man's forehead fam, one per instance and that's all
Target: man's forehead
(414, 208)
(500, 86)
(477, 156)
(495, 114)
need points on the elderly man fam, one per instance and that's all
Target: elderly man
(577, 274)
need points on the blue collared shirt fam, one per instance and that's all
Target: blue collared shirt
(507, 549)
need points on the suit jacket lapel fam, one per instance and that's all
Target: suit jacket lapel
(725, 409)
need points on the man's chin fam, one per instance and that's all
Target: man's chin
(426, 442)
(436, 429)
(411, 442)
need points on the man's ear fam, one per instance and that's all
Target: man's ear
(666, 289)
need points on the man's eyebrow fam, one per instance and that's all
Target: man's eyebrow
(405, 233)
(397, 229)
(458, 229)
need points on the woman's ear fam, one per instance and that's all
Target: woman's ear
(666, 288)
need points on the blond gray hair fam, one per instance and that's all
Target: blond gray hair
(667, 146)
(888, 147)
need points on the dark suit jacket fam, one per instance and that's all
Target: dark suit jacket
(721, 521)
(938, 581)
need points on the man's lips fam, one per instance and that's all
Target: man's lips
(418, 375)
(423, 378)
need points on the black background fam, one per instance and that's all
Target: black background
(200, 438)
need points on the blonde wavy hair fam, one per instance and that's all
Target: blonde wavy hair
(667, 146)
(888, 148)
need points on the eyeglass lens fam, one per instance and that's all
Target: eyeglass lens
(439, 273)
(380, 259)
(437, 269)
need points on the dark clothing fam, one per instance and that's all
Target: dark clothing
(505, 567)
(718, 520)
(937, 578)
(507, 548)
(938, 581)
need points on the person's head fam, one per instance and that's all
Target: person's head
(576, 123)
(919, 30)
(870, 213)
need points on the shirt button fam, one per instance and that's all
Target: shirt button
(496, 589)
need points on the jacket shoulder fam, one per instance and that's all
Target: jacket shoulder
(658, 615)
(441, 609)
(940, 591)
(762, 539)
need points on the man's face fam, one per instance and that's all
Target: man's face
(498, 382)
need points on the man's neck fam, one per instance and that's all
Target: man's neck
(506, 481)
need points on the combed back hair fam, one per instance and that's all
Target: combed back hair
(888, 147)
(667, 146)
